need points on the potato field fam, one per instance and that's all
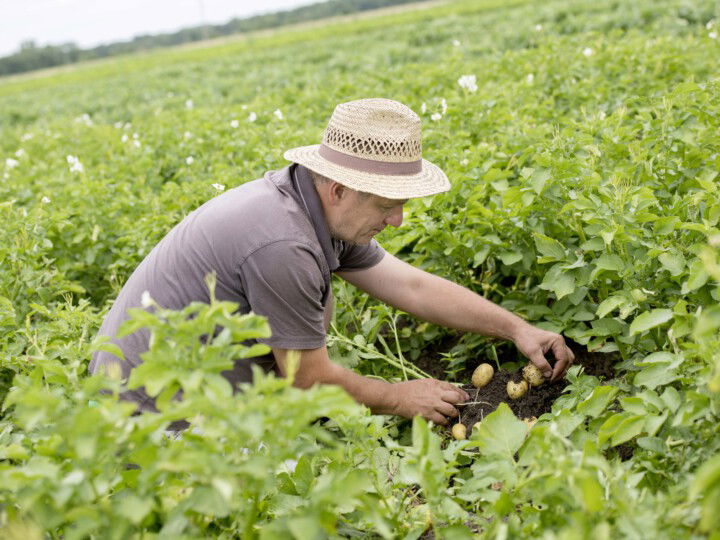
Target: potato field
(582, 141)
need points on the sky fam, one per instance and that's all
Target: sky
(92, 22)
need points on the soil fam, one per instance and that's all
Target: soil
(535, 402)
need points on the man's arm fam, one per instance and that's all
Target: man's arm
(443, 302)
(430, 398)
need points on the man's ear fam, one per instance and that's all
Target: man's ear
(337, 192)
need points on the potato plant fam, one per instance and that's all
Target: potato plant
(584, 164)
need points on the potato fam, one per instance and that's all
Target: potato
(533, 375)
(517, 390)
(482, 375)
(459, 431)
(530, 421)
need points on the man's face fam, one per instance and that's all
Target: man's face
(360, 216)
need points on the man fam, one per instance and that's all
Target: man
(275, 242)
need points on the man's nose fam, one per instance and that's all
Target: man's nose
(395, 218)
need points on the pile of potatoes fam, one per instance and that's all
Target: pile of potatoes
(483, 374)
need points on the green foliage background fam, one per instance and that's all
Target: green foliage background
(585, 197)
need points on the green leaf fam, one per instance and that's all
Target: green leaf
(594, 244)
(500, 432)
(654, 376)
(7, 312)
(598, 400)
(627, 429)
(609, 427)
(134, 508)
(607, 327)
(610, 304)
(549, 247)
(562, 284)
(208, 501)
(673, 262)
(697, 278)
(706, 477)
(538, 180)
(591, 492)
(510, 257)
(671, 398)
(650, 319)
(608, 261)
(305, 528)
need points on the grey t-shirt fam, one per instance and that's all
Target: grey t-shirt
(268, 242)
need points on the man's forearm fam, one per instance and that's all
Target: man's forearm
(316, 367)
(446, 303)
(373, 393)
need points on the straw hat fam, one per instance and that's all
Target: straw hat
(373, 145)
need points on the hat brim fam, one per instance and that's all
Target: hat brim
(429, 181)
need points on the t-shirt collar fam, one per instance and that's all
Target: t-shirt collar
(305, 188)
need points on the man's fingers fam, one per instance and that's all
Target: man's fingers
(449, 399)
(437, 418)
(564, 357)
(539, 360)
(559, 369)
(461, 394)
(562, 351)
(446, 408)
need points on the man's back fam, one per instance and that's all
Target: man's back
(261, 217)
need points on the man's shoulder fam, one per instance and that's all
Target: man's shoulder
(259, 213)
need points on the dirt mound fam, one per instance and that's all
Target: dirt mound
(536, 401)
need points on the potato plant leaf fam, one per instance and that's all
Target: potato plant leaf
(650, 319)
(500, 432)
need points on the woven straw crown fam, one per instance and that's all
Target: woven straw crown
(378, 129)
(374, 145)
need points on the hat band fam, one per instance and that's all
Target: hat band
(371, 166)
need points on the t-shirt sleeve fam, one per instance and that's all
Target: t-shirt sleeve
(359, 257)
(283, 282)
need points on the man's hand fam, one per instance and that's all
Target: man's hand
(534, 343)
(430, 398)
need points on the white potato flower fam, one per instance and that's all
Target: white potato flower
(75, 165)
(278, 114)
(145, 299)
(712, 35)
(443, 105)
(45, 200)
(84, 119)
(456, 43)
(436, 116)
(587, 52)
(189, 160)
(219, 187)
(468, 82)
(538, 27)
(530, 78)
(11, 163)
(26, 137)
(234, 123)
(124, 138)
(20, 153)
(252, 117)
(189, 104)
(423, 108)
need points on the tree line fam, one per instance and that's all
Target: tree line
(32, 56)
